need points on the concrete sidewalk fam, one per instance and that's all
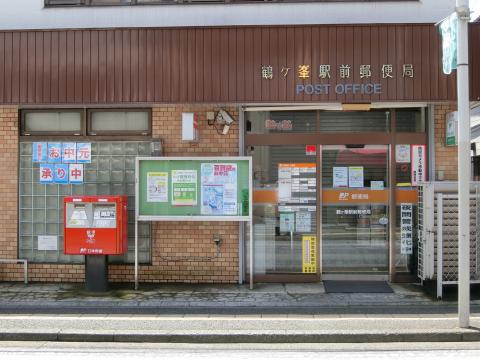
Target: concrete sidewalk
(237, 329)
(228, 314)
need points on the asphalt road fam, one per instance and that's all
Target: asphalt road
(86, 351)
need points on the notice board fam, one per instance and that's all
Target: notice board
(193, 188)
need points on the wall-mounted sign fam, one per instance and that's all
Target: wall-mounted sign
(309, 254)
(84, 153)
(418, 164)
(46, 173)
(47, 242)
(54, 153)
(69, 153)
(451, 129)
(75, 173)
(219, 189)
(39, 152)
(406, 226)
(60, 175)
(310, 150)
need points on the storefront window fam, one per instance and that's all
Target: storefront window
(354, 121)
(410, 120)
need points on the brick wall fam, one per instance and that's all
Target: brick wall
(181, 251)
(446, 159)
(185, 251)
(8, 192)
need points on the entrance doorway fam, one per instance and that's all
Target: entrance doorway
(355, 211)
(328, 186)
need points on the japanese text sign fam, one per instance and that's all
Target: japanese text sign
(75, 173)
(46, 173)
(54, 153)
(84, 153)
(39, 152)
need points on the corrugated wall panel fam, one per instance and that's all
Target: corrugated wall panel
(180, 65)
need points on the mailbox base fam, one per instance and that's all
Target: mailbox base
(96, 273)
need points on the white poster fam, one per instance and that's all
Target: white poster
(287, 222)
(303, 221)
(402, 153)
(406, 227)
(376, 185)
(284, 183)
(47, 242)
(355, 176)
(418, 164)
(157, 187)
(219, 189)
(340, 177)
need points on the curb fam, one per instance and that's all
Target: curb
(243, 337)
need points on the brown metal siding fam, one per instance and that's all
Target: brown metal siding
(183, 65)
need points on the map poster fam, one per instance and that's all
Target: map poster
(157, 187)
(184, 187)
(219, 189)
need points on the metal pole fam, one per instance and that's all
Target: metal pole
(463, 14)
(439, 245)
(137, 194)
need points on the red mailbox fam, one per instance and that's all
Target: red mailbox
(95, 225)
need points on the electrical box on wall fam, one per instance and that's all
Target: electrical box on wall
(189, 127)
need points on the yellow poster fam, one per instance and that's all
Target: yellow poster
(309, 254)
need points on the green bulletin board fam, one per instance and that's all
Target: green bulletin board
(201, 188)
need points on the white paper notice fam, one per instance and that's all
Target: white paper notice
(418, 164)
(340, 177)
(157, 187)
(284, 184)
(287, 222)
(47, 242)
(376, 185)
(355, 176)
(303, 221)
(402, 153)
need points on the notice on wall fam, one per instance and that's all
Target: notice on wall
(46, 173)
(84, 152)
(451, 129)
(418, 164)
(54, 153)
(157, 187)
(303, 220)
(69, 153)
(60, 175)
(406, 227)
(309, 254)
(402, 153)
(39, 152)
(219, 189)
(75, 173)
(355, 176)
(287, 222)
(184, 187)
(297, 183)
(340, 176)
(47, 242)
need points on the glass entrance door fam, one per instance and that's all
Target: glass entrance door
(355, 209)
(284, 210)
